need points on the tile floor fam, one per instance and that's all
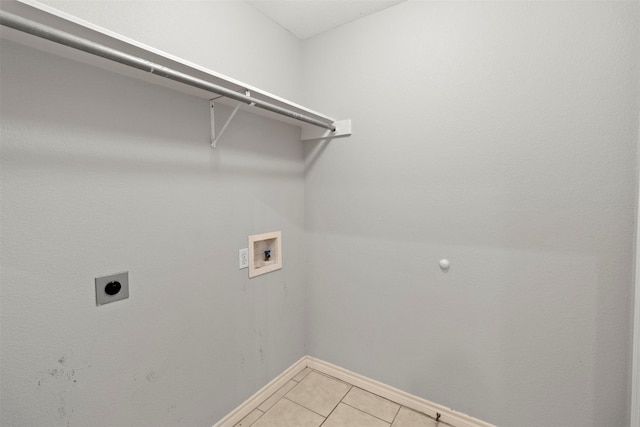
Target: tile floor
(313, 399)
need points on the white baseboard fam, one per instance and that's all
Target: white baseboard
(416, 403)
(235, 416)
(403, 398)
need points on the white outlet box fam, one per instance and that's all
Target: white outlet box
(265, 253)
(243, 258)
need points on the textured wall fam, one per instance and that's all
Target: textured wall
(101, 173)
(501, 136)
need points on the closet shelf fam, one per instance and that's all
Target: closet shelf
(37, 25)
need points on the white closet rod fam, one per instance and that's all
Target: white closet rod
(27, 26)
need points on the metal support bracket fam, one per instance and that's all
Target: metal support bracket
(343, 128)
(216, 137)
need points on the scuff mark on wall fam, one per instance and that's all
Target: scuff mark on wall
(151, 376)
(57, 373)
(58, 380)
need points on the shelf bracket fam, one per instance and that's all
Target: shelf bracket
(343, 128)
(216, 137)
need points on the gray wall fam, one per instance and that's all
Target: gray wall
(635, 379)
(101, 173)
(501, 136)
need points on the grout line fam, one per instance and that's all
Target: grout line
(334, 408)
(255, 421)
(275, 393)
(396, 415)
(302, 379)
(366, 413)
(334, 378)
(304, 407)
(377, 395)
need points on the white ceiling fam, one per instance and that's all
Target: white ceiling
(306, 18)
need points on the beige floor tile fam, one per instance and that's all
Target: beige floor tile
(264, 406)
(371, 404)
(346, 416)
(285, 413)
(408, 418)
(302, 374)
(250, 419)
(319, 393)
